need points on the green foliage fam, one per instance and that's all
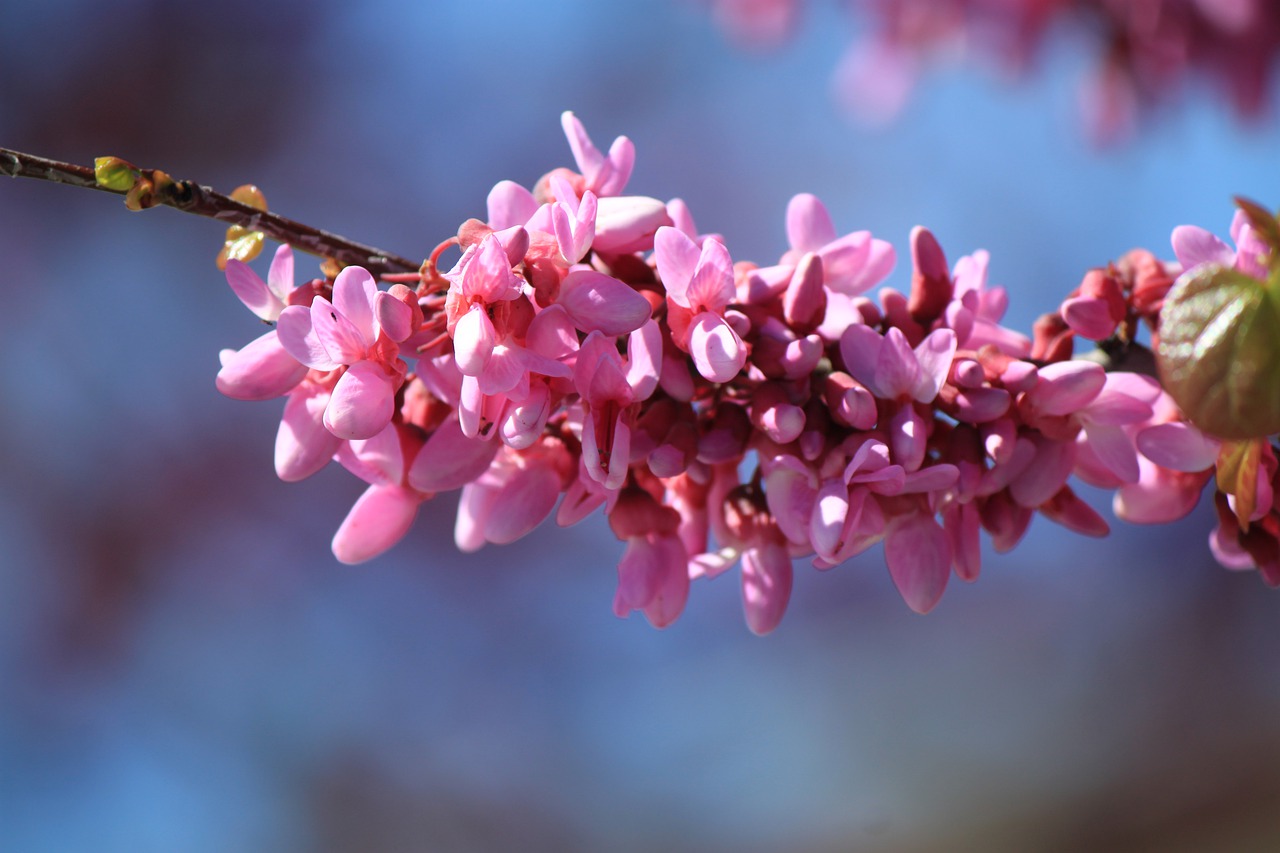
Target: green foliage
(1219, 351)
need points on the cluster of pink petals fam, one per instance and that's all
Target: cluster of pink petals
(591, 350)
(1146, 49)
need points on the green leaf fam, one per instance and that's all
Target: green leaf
(1237, 474)
(112, 173)
(1219, 352)
(1264, 223)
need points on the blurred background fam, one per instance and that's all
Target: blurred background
(185, 667)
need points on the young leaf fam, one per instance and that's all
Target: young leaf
(1238, 464)
(1219, 352)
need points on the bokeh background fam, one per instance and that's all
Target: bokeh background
(183, 665)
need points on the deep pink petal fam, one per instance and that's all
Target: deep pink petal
(380, 518)
(1047, 474)
(449, 460)
(673, 589)
(766, 586)
(362, 402)
(526, 500)
(381, 456)
(600, 303)
(919, 558)
(585, 154)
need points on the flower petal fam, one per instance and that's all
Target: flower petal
(919, 557)
(362, 402)
(380, 518)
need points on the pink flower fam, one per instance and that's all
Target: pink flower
(360, 330)
(700, 283)
(384, 513)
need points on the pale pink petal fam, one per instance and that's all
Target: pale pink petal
(589, 159)
(449, 459)
(525, 421)
(627, 223)
(860, 350)
(509, 205)
(526, 499)
(473, 340)
(897, 369)
(790, 495)
(340, 338)
(253, 291)
(506, 371)
(380, 518)
(1089, 317)
(844, 262)
(1114, 448)
(475, 506)
(676, 256)
(303, 444)
(644, 359)
(1177, 446)
(876, 268)
(717, 350)
(982, 405)
(809, 225)
(1066, 387)
(711, 288)
(766, 586)
(621, 160)
(362, 402)
(381, 455)
(300, 340)
(394, 317)
(919, 557)
(354, 291)
(934, 356)
(1194, 246)
(600, 303)
(261, 370)
(280, 275)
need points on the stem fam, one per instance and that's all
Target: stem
(190, 197)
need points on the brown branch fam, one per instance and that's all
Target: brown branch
(157, 188)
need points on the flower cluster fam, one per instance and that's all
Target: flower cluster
(594, 350)
(1147, 49)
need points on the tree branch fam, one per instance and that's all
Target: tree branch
(190, 197)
